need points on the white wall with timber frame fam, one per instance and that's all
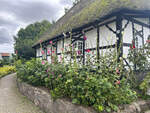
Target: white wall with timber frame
(109, 31)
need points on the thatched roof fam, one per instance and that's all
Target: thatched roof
(90, 10)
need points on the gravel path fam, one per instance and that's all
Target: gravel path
(11, 101)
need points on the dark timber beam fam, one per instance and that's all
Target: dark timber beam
(97, 43)
(136, 21)
(119, 37)
(83, 50)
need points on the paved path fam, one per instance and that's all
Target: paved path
(11, 101)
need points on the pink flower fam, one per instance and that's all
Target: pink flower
(16, 52)
(117, 82)
(148, 41)
(85, 38)
(51, 42)
(78, 52)
(41, 41)
(42, 52)
(62, 49)
(43, 62)
(48, 51)
(61, 58)
(47, 70)
(87, 50)
(117, 71)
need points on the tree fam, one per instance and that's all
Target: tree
(27, 37)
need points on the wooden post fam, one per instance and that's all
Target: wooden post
(133, 42)
(83, 48)
(70, 47)
(97, 43)
(119, 37)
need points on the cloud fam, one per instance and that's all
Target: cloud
(19, 13)
(5, 36)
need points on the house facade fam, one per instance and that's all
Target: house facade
(99, 26)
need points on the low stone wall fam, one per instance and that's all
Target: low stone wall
(44, 100)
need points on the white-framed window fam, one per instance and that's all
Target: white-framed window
(78, 46)
(44, 55)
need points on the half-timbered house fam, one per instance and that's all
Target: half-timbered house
(106, 24)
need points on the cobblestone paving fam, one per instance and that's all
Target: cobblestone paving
(11, 101)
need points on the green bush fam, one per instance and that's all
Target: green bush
(100, 88)
(145, 84)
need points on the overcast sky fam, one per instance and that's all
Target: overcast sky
(15, 14)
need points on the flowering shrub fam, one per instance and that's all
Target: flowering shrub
(140, 57)
(6, 70)
(95, 84)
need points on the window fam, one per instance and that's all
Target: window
(78, 46)
(44, 55)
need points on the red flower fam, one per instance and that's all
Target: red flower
(51, 42)
(133, 46)
(117, 82)
(53, 51)
(148, 41)
(85, 38)
(87, 50)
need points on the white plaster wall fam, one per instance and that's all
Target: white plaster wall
(125, 51)
(104, 52)
(49, 59)
(127, 34)
(107, 37)
(59, 46)
(91, 39)
(38, 52)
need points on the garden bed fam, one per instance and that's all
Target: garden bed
(44, 100)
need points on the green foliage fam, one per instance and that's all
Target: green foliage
(27, 37)
(100, 88)
(6, 70)
(145, 84)
(139, 57)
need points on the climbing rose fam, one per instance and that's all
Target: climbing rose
(148, 41)
(85, 38)
(48, 51)
(42, 52)
(117, 82)
(16, 52)
(53, 51)
(88, 51)
(43, 62)
(62, 49)
(78, 52)
(117, 71)
(51, 42)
